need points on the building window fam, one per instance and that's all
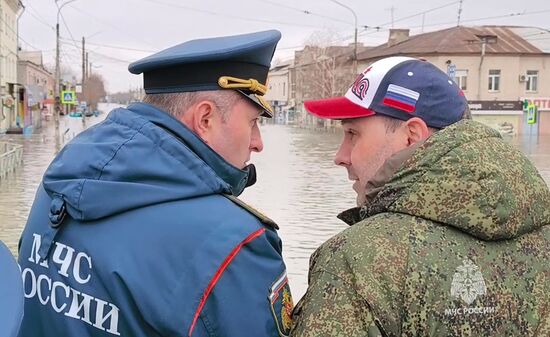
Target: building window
(494, 80)
(532, 80)
(284, 88)
(461, 79)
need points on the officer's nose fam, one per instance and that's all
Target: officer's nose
(256, 143)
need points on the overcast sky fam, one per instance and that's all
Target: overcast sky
(121, 31)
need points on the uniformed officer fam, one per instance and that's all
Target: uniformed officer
(136, 229)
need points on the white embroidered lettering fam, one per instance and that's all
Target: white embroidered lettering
(28, 271)
(64, 262)
(76, 268)
(54, 296)
(35, 257)
(39, 288)
(77, 306)
(100, 318)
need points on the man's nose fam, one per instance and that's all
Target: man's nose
(342, 156)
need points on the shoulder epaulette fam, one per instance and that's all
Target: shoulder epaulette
(263, 218)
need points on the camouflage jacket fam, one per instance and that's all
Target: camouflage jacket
(455, 241)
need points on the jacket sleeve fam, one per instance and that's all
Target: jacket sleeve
(331, 307)
(251, 296)
(355, 282)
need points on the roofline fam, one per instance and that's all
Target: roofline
(35, 65)
(384, 45)
(451, 54)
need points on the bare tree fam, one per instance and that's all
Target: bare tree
(322, 70)
(93, 89)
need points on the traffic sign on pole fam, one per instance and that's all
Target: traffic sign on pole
(68, 97)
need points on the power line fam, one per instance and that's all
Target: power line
(417, 14)
(110, 25)
(15, 33)
(494, 17)
(469, 20)
(227, 16)
(37, 17)
(114, 47)
(68, 30)
(304, 11)
(110, 57)
(539, 38)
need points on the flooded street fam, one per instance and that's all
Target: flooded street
(298, 185)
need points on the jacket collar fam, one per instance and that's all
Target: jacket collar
(233, 176)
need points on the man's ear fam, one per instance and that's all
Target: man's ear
(200, 118)
(416, 130)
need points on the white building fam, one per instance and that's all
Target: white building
(278, 92)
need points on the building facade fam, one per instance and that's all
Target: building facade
(497, 67)
(11, 109)
(39, 87)
(278, 93)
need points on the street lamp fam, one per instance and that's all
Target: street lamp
(57, 75)
(355, 34)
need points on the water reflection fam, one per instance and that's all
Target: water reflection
(302, 190)
(18, 189)
(298, 185)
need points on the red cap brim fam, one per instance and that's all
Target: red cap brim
(337, 108)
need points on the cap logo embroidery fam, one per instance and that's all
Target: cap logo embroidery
(401, 98)
(360, 86)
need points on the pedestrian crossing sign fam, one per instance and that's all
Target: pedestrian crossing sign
(68, 97)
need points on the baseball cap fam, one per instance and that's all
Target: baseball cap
(398, 87)
(237, 62)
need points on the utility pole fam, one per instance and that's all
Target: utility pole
(82, 93)
(83, 62)
(459, 13)
(57, 98)
(392, 11)
(87, 66)
(57, 70)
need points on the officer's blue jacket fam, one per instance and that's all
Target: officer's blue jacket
(136, 231)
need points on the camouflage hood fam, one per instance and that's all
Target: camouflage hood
(466, 177)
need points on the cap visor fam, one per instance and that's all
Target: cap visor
(336, 108)
(255, 100)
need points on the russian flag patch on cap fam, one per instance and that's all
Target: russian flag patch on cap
(401, 98)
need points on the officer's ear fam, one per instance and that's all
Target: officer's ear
(202, 119)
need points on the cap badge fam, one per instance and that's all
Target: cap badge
(401, 98)
(228, 82)
(360, 86)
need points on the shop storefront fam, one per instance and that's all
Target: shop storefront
(505, 116)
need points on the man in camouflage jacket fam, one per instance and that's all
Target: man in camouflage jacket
(452, 236)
